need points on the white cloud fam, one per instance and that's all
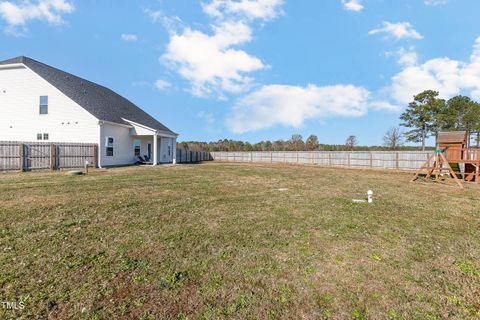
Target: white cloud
(286, 105)
(435, 2)
(162, 85)
(400, 30)
(212, 62)
(171, 23)
(245, 9)
(129, 37)
(448, 76)
(352, 5)
(406, 57)
(18, 14)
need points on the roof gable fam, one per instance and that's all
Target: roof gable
(100, 101)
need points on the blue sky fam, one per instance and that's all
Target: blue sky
(258, 69)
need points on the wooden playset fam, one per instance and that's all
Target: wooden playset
(452, 159)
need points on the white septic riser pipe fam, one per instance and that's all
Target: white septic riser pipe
(370, 196)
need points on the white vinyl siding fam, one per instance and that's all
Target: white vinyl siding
(166, 146)
(123, 153)
(20, 120)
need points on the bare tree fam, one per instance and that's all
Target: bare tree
(351, 142)
(393, 138)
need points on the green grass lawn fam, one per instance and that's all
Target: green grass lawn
(233, 241)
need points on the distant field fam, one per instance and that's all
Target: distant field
(233, 241)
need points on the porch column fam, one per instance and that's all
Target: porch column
(155, 149)
(174, 150)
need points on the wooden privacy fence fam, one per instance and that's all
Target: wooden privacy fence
(399, 160)
(187, 156)
(21, 156)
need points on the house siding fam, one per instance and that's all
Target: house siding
(164, 144)
(123, 151)
(66, 121)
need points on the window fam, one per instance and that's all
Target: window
(169, 151)
(42, 136)
(109, 147)
(136, 147)
(43, 104)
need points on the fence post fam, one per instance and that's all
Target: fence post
(251, 156)
(21, 156)
(349, 160)
(95, 155)
(371, 159)
(52, 156)
(397, 161)
(329, 159)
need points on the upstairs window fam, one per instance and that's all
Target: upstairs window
(43, 104)
(109, 146)
(45, 136)
(136, 147)
(39, 136)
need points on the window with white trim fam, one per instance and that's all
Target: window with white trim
(109, 146)
(137, 147)
(43, 136)
(43, 105)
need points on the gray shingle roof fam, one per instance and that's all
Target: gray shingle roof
(98, 100)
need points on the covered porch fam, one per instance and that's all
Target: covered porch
(154, 146)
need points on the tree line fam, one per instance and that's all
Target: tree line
(424, 117)
(295, 143)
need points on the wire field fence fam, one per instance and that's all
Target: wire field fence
(398, 160)
(24, 156)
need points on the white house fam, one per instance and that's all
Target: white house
(41, 103)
